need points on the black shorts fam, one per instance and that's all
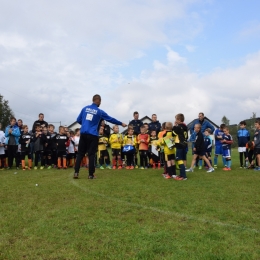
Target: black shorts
(200, 153)
(103, 153)
(208, 154)
(116, 152)
(257, 151)
(169, 157)
(181, 154)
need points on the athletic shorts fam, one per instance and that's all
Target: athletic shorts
(200, 153)
(181, 154)
(208, 154)
(116, 152)
(257, 151)
(169, 157)
(226, 153)
(103, 153)
(218, 150)
(241, 149)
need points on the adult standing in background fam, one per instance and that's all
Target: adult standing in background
(136, 123)
(90, 118)
(40, 121)
(155, 125)
(204, 124)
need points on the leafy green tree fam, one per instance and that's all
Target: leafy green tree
(5, 112)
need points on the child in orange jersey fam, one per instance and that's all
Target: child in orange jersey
(143, 142)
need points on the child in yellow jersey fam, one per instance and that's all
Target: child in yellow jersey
(129, 144)
(162, 157)
(102, 150)
(154, 146)
(116, 141)
(167, 141)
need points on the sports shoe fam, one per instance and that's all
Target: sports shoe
(92, 177)
(108, 167)
(35, 168)
(210, 170)
(49, 167)
(127, 167)
(174, 176)
(114, 167)
(200, 167)
(101, 167)
(145, 167)
(132, 167)
(226, 169)
(119, 167)
(257, 169)
(65, 168)
(215, 166)
(41, 168)
(8, 168)
(189, 170)
(141, 168)
(76, 175)
(23, 169)
(17, 168)
(136, 167)
(167, 176)
(181, 179)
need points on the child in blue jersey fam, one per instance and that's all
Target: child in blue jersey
(199, 150)
(226, 141)
(207, 146)
(218, 145)
(242, 137)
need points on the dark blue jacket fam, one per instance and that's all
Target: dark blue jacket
(136, 125)
(90, 117)
(204, 125)
(155, 126)
(243, 137)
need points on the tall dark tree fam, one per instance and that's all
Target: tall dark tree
(225, 120)
(5, 112)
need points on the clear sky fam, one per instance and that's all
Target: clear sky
(153, 56)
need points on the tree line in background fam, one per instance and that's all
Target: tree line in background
(250, 125)
(5, 112)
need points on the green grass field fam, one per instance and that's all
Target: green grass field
(130, 215)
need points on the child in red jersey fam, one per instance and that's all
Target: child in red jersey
(143, 142)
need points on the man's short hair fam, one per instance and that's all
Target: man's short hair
(135, 113)
(201, 113)
(154, 115)
(180, 117)
(96, 97)
(41, 114)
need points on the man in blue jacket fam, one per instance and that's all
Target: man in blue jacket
(204, 124)
(90, 118)
(12, 134)
(155, 125)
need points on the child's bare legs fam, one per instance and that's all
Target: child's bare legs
(206, 160)
(194, 157)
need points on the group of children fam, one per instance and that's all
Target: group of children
(168, 148)
(43, 145)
